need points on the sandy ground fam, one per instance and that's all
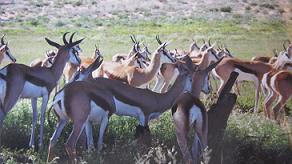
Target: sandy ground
(22, 10)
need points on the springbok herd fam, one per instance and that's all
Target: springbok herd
(95, 89)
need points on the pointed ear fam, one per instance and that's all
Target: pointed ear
(2, 48)
(76, 43)
(54, 44)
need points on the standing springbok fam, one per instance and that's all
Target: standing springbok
(119, 57)
(21, 81)
(189, 112)
(70, 68)
(281, 84)
(248, 71)
(102, 97)
(5, 53)
(136, 76)
(267, 83)
(168, 72)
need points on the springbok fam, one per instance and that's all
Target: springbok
(267, 83)
(46, 61)
(189, 112)
(168, 72)
(281, 84)
(102, 97)
(266, 59)
(248, 71)
(5, 53)
(136, 48)
(71, 68)
(136, 76)
(21, 81)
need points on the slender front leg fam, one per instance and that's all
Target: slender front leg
(89, 137)
(60, 126)
(34, 121)
(257, 94)
(43, 113)
(2, 116)
(102, 129)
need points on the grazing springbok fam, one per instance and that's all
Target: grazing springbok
(248, 71)
(5, 53)
(46, 61)
(189, 112)
(102, 97)
(136, 76)
(21, 81)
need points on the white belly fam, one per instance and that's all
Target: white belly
(32, 91)
(195, 115)
(123, 109)
(3, 85)
(96, 113)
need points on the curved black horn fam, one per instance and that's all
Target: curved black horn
(71, 37)
(76, 42)
(275, 52)
(54, 44)
(284, 44)
(2, 40)
(158, 39)
(64, 38)
(209, 41)
(133, 39)
(204, 41)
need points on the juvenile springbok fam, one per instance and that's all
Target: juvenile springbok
(136, 76)
(189, 112)
(102, 97)
(21, 81)
(5, 53)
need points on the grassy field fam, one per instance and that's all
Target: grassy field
(249, 138)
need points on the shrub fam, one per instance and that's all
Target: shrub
(226, 9)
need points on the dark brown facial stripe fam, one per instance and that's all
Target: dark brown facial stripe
(244, 69)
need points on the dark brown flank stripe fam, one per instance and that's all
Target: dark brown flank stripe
(244, 69)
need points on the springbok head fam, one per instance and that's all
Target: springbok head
(68, 47)
(165, 55)
(204, 46)
(289, 48)
(86, 73)
(212, 53)
(50, 57)
(194, 46)
(145, 53)
(186, 68)
(5, 51)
